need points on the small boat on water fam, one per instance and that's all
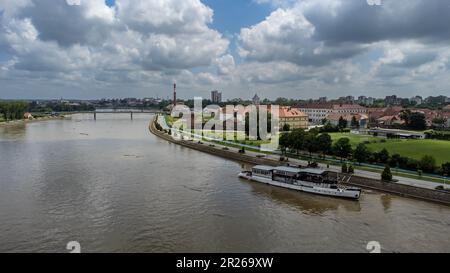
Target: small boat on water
(309, 180)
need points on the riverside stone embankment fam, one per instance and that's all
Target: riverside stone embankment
(442, 197)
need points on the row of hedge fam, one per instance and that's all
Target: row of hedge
(440, 135)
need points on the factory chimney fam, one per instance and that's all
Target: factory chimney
(174, 94)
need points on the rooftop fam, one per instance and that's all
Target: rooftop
(317, 106)
(337, 116)
(287, 169)
(286, 112)
(347, 106)
(263, 168)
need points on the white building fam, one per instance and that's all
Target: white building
(319, 112)
(417, 99)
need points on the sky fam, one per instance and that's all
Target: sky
(276, 48)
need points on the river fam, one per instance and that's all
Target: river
(113, 187)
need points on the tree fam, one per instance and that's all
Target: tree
(383, 156)
(325, 143)
(13, 110)
(354, 123)
(311, 144)
(417, 121)
(387, 174)
(286, 127)
(284, 142)
(405, 116)
(427, 164)
(413, 120)
(439, 122)
(342, 148)
(297, 139)
(361, 153)
(329, 128)
(446, 169)
(351, 169)
(395, 161)
(342, 123)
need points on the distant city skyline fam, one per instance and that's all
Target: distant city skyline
(297, 49)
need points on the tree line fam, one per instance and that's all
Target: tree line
(315, 142)
(59, 107)
(12, 110)
(440, 135)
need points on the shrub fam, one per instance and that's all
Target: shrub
(383, 156)
(412, 164)
(446, 169)
(344, 168)
(386, 175)
(428, 164)
(351, 169)
(438, 135)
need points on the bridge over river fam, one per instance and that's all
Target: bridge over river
(130, 112)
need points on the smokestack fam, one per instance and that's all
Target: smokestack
(174, 94)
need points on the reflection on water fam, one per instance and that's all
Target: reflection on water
(112, 186)
(12, 131)
(305, 202)
(386, 200)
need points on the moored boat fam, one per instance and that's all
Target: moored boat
(316, 181)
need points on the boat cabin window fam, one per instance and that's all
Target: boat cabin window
(262, 172)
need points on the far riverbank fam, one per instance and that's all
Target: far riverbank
(23, 121)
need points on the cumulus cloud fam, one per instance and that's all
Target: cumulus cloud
(93, 38)
(366, 44)
(321, 47)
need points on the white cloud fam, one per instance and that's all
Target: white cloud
(97, 41)
(304, 47)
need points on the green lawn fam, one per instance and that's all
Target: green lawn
(354, 139)
(416, 149)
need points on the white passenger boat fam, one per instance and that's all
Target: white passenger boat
(309, 180)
